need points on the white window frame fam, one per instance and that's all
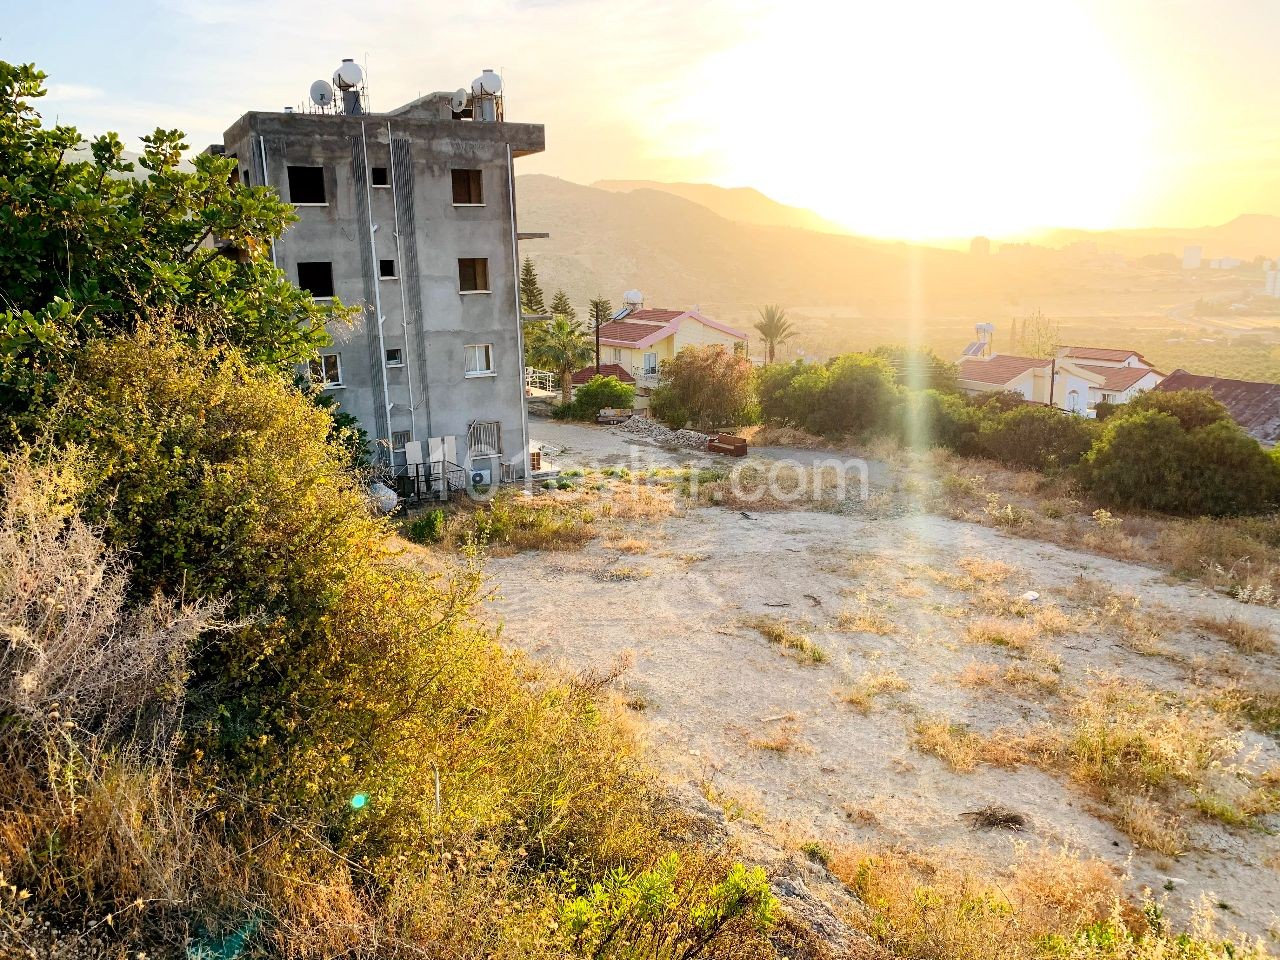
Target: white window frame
(482, 351)
(323, 381)
(394, 363)
(617, 355)
(644, 367)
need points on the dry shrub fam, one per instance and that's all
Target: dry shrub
(1014, 634)
(631, 501)
(1140, 630)
(863, 619)
(871, 685)
(76, 657)
(631, 545)
(1241, 556)
(1150, 825)
(1244, 636)
(777, 631)
(783, 738)
(940, 908)
(984, 571)
(949, 741)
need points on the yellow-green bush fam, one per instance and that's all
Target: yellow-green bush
(362, 768)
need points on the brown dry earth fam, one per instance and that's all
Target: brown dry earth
(769, 736)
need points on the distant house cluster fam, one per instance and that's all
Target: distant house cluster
(1077, 379)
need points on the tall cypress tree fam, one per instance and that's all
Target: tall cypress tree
(531, 300)
(601, 311)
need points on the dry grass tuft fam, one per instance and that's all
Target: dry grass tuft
(871, 685)
(948, 741)
(776, 630)
(937, 908)
(783, 738)
(1014, 634)
(985, 571)
(861, 618)
(1244, 636)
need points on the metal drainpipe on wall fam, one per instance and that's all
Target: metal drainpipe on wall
(262, 151)
(377, 294)
(404, 302)
(519, 364)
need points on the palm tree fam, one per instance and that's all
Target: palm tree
(563, 346)
(774, 327)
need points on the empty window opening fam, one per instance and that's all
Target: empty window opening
(326, 369)
(387, 269)
(399, 438)
(316, 277)
(473, 275)
(378, 177)
(306, 185)
(395, 357)
(479, 359)
(467, 189)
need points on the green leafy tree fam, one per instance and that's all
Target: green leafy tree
(562, 307)
(919, 368)
(532, 301)
(596, 394)
(1148, 459)
(561, 346)
(1042, 438)
(86, 251)
(707, 387)
(1191, 408)
(774, 327)
(1039, 335)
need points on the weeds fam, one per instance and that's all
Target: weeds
(871, 685)
(797, 645)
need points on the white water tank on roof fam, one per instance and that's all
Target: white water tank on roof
(633, 299)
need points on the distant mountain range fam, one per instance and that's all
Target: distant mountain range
(744, 204)
(1247, 236)
(729, 250)
(679, 252)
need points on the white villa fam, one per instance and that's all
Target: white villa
(1077, 379)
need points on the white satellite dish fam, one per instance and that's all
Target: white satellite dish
(348, 75)
(321, 94)
(458, 102)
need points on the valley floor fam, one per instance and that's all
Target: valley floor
(798, 666)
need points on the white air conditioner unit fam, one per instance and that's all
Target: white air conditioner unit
(481, 478)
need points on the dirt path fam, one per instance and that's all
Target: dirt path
(771, 734)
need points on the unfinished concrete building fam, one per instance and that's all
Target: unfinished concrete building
(410, 216)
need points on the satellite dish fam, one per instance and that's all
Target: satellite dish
(348, 75)
(321, 94)
(458, 102)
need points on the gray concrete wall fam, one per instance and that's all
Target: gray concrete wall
(425, 315)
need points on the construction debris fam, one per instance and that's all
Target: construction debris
(653, 430)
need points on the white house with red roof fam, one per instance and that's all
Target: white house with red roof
(1076, 380)
(638, 340)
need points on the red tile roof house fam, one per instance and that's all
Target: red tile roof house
(1253, 405)
(638, 342)
(1082, 377)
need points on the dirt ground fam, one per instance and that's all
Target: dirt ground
(768, 733)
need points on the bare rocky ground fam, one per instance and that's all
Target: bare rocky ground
(768, 737)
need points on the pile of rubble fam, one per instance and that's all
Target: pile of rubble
(653, 430)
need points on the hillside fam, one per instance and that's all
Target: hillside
(744, 204)
(680, 253)
(1247, 236)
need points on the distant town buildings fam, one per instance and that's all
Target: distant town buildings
(1272, 286)
(979, 246)
(1191, 258)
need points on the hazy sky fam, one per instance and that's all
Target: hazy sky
(923, 119)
